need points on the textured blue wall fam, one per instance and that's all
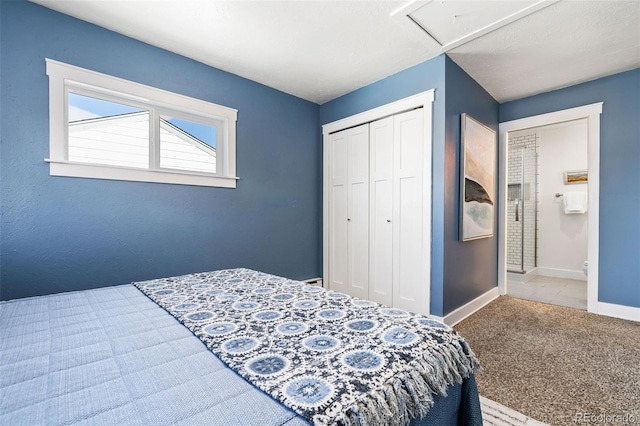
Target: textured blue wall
(470, 267)
(619, 173)
(419, 78)
(61, 234)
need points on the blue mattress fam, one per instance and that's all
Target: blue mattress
(112, 356)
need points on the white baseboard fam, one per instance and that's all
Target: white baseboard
(475, 305)
(562, 273)
(619, 311)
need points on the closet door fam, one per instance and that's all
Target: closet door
(338, 270)
(381, 211)
(349, 211)
(358, 211)
(410, 281)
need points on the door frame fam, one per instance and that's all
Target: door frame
(592, 113)
(421, 100)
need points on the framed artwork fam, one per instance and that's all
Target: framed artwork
(477, 179)
(575, 176)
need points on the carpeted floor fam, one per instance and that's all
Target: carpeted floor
(562, 366)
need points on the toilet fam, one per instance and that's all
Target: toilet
(585, 267)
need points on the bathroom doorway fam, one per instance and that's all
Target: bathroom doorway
(547, 214)
(539, 247)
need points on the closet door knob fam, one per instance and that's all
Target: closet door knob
(389, 220)
(348, 220)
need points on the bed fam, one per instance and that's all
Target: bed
(115, 356)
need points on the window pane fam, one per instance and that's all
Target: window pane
(187, 145)
(106, 132)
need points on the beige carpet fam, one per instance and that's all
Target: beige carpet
(558, 365)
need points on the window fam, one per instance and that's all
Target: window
(104, 127)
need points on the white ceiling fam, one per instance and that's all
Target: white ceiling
(319, 50)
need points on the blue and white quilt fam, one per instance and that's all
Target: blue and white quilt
(331, 358)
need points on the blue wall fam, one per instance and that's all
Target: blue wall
(619, 173)
(61, 234)
(470, 267)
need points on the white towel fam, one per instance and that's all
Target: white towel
(575, 202)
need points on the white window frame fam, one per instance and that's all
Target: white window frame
(64, 78)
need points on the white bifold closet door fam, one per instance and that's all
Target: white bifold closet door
(397, 275)
(349, 212)
(377, 221)
(381, 211)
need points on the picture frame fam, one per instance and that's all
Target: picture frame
(576, 176)
(477, 179)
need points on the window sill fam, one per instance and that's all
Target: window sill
(99, 171)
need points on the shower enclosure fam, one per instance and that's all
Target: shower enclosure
(522, 203)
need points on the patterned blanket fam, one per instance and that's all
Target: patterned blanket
(331, 358)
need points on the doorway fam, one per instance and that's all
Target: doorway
(547, 215)
(523, 261)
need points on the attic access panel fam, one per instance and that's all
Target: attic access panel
(453, 22)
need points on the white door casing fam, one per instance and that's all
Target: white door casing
(592, 114)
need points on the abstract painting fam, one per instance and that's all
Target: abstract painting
(477, 179)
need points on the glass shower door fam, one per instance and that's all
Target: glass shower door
(522, 205)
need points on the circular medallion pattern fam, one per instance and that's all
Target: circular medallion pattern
(164, 292)
(426, 322)
(291, 328)
(306, 304)
(245, 306)
(400, 336)
(394, 312)
(267, 315)
(321, 343)
(361, 325)
(220, 328)
(201, 286)
(283, 296)
(267, 365)
(336, 295)
(201, 316)
(240, 345)
(186, 307)
(174, 299)
(363, 360)
(308, 391)
(331, 314)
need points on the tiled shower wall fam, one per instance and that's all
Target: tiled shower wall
(522, 156)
